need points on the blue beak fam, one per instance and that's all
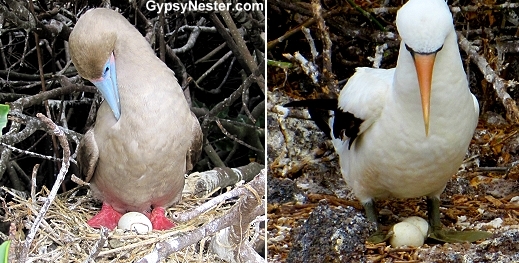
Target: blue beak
(107, 84)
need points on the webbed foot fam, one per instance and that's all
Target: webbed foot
(449, 236)
(159, 221)
(379, 237)
(107, 217)
(452, 236)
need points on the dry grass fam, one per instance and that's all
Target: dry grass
(64, 236)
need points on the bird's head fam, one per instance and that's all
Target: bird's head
(92, 44)
(423, 26)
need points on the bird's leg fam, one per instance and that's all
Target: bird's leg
(371, 211)
(449, 236)
(433, 212)
(372, 215)
(158, 219)
(107, 217)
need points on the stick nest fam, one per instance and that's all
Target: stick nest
(64, 235)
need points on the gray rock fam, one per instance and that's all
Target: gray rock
(331, 235)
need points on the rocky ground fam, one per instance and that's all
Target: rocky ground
(314, 218)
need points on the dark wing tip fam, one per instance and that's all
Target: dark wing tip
(346, 124)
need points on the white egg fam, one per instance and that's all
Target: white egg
(406, 234)
(136, 222)
(418, 222)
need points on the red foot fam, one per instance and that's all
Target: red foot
(107, 217)
(159, 221)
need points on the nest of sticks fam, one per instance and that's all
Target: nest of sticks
(64, 235)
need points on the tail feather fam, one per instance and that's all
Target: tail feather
(320, 111)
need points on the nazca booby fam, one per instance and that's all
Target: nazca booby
(403, 132)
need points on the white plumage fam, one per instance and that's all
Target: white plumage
(391, 154)
(392, 148)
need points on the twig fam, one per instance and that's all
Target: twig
(234, 138)
(310, 40)
(22, 76)
(271, 44)
(192, 38)
(328, 82)
(98, 246)
(242, 124)
(308, 67)
(59, 179)
(224, 80)
(2, 55)
(31, 125)
(238, 191)
(201, 184)
(483, 6)
(230, 244)
(33, 182)
(238, 48)
(14, 178)
(40, 97)
(212, 155)
(294, 30)
(240, 42)
(512, 112)
(205, 29)
(161, 39)
(244, 102)
(218, 63)
(233, 97)
(20, 171)
(33, 154)
(211, 54)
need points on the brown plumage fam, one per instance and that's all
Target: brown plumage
(135, 162)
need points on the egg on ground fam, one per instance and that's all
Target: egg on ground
(406, 234)
(419, 222)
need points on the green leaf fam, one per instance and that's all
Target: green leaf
(279, 64)
(4, 251)
(4, 109)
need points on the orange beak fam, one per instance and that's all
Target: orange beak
(424, 64)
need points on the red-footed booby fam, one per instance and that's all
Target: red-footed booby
(145, 137)
(403, 132)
